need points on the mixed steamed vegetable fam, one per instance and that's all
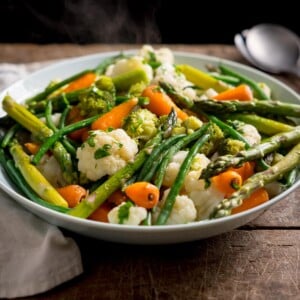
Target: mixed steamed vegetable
(141, 140)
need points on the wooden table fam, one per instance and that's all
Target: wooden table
(258, 261)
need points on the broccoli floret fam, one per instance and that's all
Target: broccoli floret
(141, 125)
(231, 146)
(216, 137)
(191, 124)
(99, 99)
(137, 89)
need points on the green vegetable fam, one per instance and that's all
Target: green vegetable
(177, 185)
(176, 96)
(244, 79)
(10, 135)
(263, 125)
(182, 143)
(124, 211)
(17, 178)
(124, 81)
(272, 144)
(258, 180)
(96, 198)
(226, 78)
(50, 89)
(34, 178)
(231, 146)
(141, 125)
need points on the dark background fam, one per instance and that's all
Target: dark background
(129, 21)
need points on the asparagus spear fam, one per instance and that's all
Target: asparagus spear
(41, 132)
(275, 172)
(34, 178)
(257, 106)
(263, 125)
(272, 144)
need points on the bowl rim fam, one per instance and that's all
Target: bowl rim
(134, 228)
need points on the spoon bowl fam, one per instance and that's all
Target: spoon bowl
(274, 48)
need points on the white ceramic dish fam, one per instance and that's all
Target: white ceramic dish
(134, 234)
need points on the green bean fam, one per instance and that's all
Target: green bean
(49, 90)
(153, 160)
(10, 134)
(259, 92)
(225, 78)
(174, 149)
(48, 115)
(58, 134)
(16, 177)
(177, 185)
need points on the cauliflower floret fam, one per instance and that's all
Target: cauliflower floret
(208, 94)
(162, 55)
(104, 153)
(251, 134)
(168, 74)
(205, 200)
(183, 211)
(51, 170)
(127, 214)
(129, 64)
(200, 162)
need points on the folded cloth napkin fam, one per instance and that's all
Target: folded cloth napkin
(34, 255)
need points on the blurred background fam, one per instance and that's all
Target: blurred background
(136, 21)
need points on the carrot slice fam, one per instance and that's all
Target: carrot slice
(241, 92)
(115, 117)
(160, 103)
(117, 197)
(101, 213)
(73, 117)
(227, 182)
(256, 198)
(72, 194)
(82, 82)
(33, 148)
(246, 170)
(143, 194)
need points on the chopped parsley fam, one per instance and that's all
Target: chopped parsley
(102, 152)
(124, 210)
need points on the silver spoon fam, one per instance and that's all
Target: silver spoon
(240, 43)
(274, 48)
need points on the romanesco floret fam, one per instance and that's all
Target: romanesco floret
(127, 214)
(231, 146)
(141, 124)
(216, 137)
(104, 153)
(183, 210)
(99, 99)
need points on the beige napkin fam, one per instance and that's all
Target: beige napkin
(34, 255)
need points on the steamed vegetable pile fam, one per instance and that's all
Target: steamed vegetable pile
(140, 140)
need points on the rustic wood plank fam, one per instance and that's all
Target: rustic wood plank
(261, 264)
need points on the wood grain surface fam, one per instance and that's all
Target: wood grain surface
(261, 260)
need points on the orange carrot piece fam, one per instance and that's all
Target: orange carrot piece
(117, 197)
(73, 117)
(241, 92)
(101, 213)
(256, 198)
(246, 170)
(72, 194)
(82, 82)
(143, 194)
(115, 117)
(160, 103)
(32, 147)
(227, 182)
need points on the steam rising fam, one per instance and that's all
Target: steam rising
(104, 21)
